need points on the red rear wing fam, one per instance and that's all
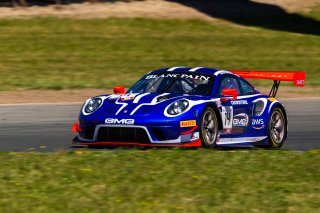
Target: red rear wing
(297, 78)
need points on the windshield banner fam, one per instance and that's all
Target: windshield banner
(191, 76)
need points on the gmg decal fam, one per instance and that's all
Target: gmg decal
(119, 121)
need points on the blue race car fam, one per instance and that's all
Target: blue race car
(188, 107)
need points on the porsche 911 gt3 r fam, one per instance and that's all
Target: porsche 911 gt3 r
(188, 107)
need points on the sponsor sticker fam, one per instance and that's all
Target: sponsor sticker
(257, 121)
(257, 124)
(173, 75)
(119, 121)
(241, 119)
(239, 102)
(128, 97)
(188, 123)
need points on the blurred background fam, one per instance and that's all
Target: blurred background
(63, 45)
(67, 51)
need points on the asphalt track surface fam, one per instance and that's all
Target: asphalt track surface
(47, 127)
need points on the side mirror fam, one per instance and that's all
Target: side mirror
(118, 90)
(229, 92)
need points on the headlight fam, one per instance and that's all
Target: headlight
(92, 105)
(178, 107)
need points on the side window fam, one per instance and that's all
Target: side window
(229, 82)
(246, 88)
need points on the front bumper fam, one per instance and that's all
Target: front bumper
(134, 135)
(196, 143)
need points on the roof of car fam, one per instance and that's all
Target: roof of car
(203, 70)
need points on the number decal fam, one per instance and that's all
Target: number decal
(227, 117)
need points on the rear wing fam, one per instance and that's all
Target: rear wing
(298, 78)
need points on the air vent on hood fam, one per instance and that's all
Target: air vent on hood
(163, 98)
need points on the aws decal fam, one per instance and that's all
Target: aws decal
(258, 124)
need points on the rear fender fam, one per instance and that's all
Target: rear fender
(280, 106)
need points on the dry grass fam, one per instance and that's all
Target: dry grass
(146, 8)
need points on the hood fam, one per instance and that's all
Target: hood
(140, 98)
(143, 104)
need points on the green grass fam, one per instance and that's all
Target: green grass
(53, 53)
(160, 180)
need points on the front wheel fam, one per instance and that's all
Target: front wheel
(277, 128)
(209, 128)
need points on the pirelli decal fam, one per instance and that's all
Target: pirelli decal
(188, 123)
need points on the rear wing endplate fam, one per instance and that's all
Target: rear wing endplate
(298, 78)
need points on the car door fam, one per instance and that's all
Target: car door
(235, 114)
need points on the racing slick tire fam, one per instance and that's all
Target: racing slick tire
(277, 128)
(209, 128)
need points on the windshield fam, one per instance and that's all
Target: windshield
(181, 83)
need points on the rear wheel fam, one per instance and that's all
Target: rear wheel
(209, 128)
(277, 128)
